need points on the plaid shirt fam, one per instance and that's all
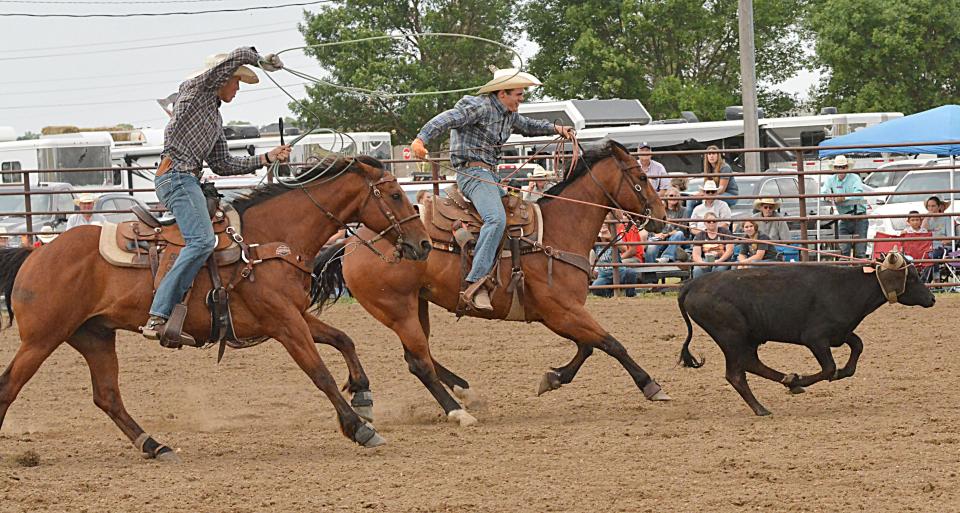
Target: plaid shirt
(479, 126)
(195, 131)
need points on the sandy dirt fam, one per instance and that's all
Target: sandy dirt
(255, 435)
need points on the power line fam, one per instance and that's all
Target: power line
(154, 14)
(139, 100)
(105, 2)
(143, 47)
(163, 38)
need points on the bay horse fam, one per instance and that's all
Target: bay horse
(38, 284)
(606, 177)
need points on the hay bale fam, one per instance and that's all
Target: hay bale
(56, 130)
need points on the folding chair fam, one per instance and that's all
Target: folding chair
(952, 268)
(881, 248)
(918, 249)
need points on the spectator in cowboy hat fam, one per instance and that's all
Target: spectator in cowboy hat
(848, 186)
(45, 236)
(656, 173)
(537, 184)
(719, 209)
(479, 126)
(85, 202)
(768, 220)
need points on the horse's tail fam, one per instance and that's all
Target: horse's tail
(11, 259)
(327, 283)
(686, 357)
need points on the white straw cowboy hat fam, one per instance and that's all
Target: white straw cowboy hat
(85, 198)
(757, 203)
(841, 161)
(246, 74)
(710, 185)
(46, 235)
(509, 78)
(540, 172)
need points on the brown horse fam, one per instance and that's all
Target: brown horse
(274, 305)
(606, 177)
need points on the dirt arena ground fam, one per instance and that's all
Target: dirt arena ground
(254, 434)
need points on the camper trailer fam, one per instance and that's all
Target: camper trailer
(56, 154)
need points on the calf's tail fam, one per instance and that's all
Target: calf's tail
(686, 357)
(11, 259)
(327, 283)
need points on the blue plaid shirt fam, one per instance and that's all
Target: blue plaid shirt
(195, 132)
(479, 126)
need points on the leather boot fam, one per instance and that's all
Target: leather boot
(477, 297)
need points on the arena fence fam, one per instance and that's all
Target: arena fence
(818, 243)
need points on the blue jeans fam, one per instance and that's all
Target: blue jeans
(651, 253)
(486, 197)
(628, 276)
(180, 193)
(847, 229)
(700, 270)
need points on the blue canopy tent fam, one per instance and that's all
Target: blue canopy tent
(934, 125)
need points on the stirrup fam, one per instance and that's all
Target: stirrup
(468, 295)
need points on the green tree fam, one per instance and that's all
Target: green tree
(673, 55)
(411, 64)
(28, 135)
(886, 55)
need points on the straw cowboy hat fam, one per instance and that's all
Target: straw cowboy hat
(710, 185)
(540, 172)
(46, 235)
(509, 78)
(84, 198)
(757, 203)
(247, 76)
(841, 161)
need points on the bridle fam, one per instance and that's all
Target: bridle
(395, 223)
(636, 187)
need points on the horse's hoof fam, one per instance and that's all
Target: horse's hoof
(362, 403)
(762, 412)
(797, 390)
(653, 392)
(461, 416)
(550, 381)
(168, 457)
(468, 396)
(368, 437)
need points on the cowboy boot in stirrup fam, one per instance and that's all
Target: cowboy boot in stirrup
(477, 297)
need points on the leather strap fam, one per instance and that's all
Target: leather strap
(477, 163)
(165, 165)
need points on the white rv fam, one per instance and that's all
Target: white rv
(60, 152)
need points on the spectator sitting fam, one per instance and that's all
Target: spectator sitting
(421, 196)
(914, 223)
(713, 249)
(937, 226)
(713, 167)
(85, 201)
(753, 251)
(602, 269)
(710, 205)
(767, 222)
(656, 173)
(45, 236)
(534, 189)
(672, 231)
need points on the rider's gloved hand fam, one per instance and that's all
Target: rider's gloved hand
(280, 153)
(270, 62)
(418, 149)
(566, 132)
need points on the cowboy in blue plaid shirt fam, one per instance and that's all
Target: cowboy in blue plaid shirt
(194, 135)
(479, 126)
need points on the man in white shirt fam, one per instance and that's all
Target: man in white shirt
(85, 201)
(710, 204)
(656, 173)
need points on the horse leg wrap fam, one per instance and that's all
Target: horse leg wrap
(362, 403)
(150, 448)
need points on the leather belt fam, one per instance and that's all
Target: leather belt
(484, 165)
(165, 165)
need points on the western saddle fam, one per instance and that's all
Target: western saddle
(153, 243)
(453, 224)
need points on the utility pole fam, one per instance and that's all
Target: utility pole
(748, 86)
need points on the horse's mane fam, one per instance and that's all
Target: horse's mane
(329, 166)
(590, 157)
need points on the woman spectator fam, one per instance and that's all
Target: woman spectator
(769, 222)
(713, 167)
(672, 231)
(715, 247)
(938, 228)
(754, 250)
(603, 271)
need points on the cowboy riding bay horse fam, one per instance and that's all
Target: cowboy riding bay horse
(553, 288)
(274, 304)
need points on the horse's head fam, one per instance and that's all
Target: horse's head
(385, 209)
(628, 188)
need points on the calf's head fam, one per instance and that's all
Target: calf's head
(901, 282)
